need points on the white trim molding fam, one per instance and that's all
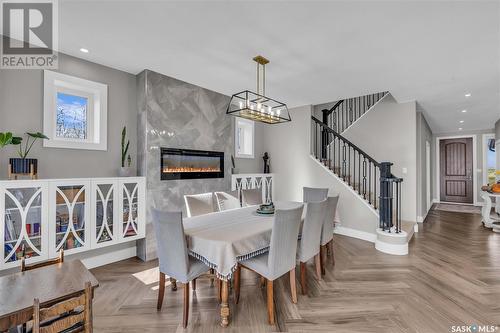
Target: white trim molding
(363, 235)
(474, 166)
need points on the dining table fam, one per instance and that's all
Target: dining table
(50, 284)
(223, 239)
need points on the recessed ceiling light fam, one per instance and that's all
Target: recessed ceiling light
(461, 121)
(460, 128)
(84, 50)
(468, 95)
(464, 111)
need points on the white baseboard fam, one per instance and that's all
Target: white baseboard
(105, 256)
(394, 249)
(363, 235)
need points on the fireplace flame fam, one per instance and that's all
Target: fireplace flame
(189, 169)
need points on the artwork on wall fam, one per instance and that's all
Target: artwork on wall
(75, 112)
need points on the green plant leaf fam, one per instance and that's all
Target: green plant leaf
(38, 135)
(5, 139)
(16, 140)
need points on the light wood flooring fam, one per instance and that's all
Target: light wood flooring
(450, 277)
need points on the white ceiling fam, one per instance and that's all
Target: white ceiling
(432, 52)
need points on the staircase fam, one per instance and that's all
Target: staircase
(371, 180)
(346, 112)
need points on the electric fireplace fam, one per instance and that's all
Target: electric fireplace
(191, 164)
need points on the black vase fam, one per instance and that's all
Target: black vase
(23, 165)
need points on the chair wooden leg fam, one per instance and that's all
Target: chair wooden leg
(224, 305)
(293, 286)
(161, 291)
(185, 315)
(262, 282)
(219, 289)
(193, 284)
(173, 284)
(303, 277)
(330, 245)
(317, 264)
(237, 278)
(322, 252)
(270, 302)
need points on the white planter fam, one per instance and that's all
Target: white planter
(126, 172)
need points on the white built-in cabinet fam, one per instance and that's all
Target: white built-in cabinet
(38, 218)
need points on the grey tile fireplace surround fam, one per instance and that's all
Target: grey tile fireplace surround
(176, 114)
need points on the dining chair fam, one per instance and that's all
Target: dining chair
(58, 260)
(327, 231)
(281, 256)
(173, 256)
(314, 194)
(309, 243)
(199, 204)
(251, 197)
(70, 315)
(227, 201)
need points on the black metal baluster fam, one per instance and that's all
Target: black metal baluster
(349, 176)
(364, 177)
(369, 182)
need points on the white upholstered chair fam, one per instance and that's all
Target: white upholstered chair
(199, 204)
(251, 197)
(227, 201)
(313, 194)
(173, 256)
(281, 256)
(309, 243)
(327, 231)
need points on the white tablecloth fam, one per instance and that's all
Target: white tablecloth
(222, 239)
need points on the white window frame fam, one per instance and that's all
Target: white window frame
(241, 122)
(97, 110)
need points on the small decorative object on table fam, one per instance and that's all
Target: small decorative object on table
(266, 162)
(23, 166)
(266, 209)
(126, 169)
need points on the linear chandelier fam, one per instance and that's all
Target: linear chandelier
(256, 106)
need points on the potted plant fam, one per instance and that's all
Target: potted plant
(126, 169)
(8, 139)
(22, 164)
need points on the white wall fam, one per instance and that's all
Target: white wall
(424, 134)
(289, 149)
(388, 134)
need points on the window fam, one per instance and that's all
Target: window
(75, 112)
(489, 159)
(244, 138)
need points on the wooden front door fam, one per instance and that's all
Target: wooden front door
(456, 184)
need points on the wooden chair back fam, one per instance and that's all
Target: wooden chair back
(58, 260)
(70, 315)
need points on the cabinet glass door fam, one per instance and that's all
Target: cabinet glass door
(129, 212)
(24, 220)
(104, 213)
(70, 217)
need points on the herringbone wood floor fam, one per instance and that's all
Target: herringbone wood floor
(451, 277)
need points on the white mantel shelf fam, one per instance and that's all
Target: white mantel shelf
(74, 214)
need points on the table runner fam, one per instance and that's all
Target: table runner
(222, 239)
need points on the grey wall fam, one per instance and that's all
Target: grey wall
(497, 138)
(21, 110)
(177, 114)
(424, 134)
(479, 167)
